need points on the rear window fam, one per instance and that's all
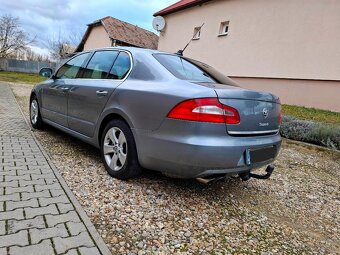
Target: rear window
(183, 69)
(193, 70)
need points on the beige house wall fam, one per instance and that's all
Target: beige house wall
(97, 38)
(309, 93)
(290, 39)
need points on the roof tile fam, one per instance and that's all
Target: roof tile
(126, 32)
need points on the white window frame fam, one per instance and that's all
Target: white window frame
(197, 33)
(223, 27)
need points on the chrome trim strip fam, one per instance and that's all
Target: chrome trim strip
(253, 132)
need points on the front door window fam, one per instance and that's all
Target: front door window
(71, 68)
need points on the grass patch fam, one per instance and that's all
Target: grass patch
(317, 115)
(21, 77)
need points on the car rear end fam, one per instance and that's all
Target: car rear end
(228, 131)
(232, 133)
(259, 117)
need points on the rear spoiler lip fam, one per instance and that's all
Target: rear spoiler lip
(277, 101)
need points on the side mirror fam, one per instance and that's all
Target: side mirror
(46, 72)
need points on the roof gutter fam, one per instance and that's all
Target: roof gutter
(179, 8)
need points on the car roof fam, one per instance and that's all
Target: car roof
(130, 49)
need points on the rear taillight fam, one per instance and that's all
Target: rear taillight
(205, 110)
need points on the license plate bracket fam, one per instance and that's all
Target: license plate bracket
(260, 154)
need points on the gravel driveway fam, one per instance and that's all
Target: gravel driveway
(297, 211)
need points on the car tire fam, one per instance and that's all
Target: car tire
(118, 151)
(35, 115)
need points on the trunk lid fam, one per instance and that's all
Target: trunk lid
(259, 111)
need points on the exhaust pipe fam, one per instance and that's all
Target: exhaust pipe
(204, 181)
(209, 180)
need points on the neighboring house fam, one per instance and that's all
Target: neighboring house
(290, 48)
(64, 51)
(109, 31)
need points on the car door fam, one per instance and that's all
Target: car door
(55, 94)
(89, 94)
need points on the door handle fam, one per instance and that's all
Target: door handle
(65, 89)
(101, 93)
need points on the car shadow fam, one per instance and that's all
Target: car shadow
(148, 178)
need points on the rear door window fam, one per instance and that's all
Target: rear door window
(121, 67)
(100, 65)
(71, 68)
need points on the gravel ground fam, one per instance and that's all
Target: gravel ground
(297, 211)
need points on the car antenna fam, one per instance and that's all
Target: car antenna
(180, 52)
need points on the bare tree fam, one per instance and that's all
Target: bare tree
(63, 45)
(30, 54)
(55, 46)
(12, 37)
(75, 36)
(33, 56)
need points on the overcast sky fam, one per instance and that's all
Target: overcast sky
(45, 18)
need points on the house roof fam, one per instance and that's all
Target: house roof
(178, 6)
(123, 32)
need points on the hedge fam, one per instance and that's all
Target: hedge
(323, 134)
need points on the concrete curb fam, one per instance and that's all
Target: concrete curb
(102, 247)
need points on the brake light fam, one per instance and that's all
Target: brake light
(205, 110)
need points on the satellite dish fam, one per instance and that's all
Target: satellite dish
(158, 23)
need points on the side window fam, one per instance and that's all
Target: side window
(121, 67)
(100, 64)
(71, 68)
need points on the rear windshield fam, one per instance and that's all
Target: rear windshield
(183, 69)
(192, 70)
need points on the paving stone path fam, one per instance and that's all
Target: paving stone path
(38, 212)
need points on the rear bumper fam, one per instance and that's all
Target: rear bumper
(186, 149)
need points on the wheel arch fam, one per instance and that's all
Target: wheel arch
(108, 117)
(36, 91)
(33, 94)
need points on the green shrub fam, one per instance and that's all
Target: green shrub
(327, 135)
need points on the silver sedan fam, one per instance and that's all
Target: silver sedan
(149, 109)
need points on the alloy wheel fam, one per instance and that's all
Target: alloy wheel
(115, 148)
(34, 111)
